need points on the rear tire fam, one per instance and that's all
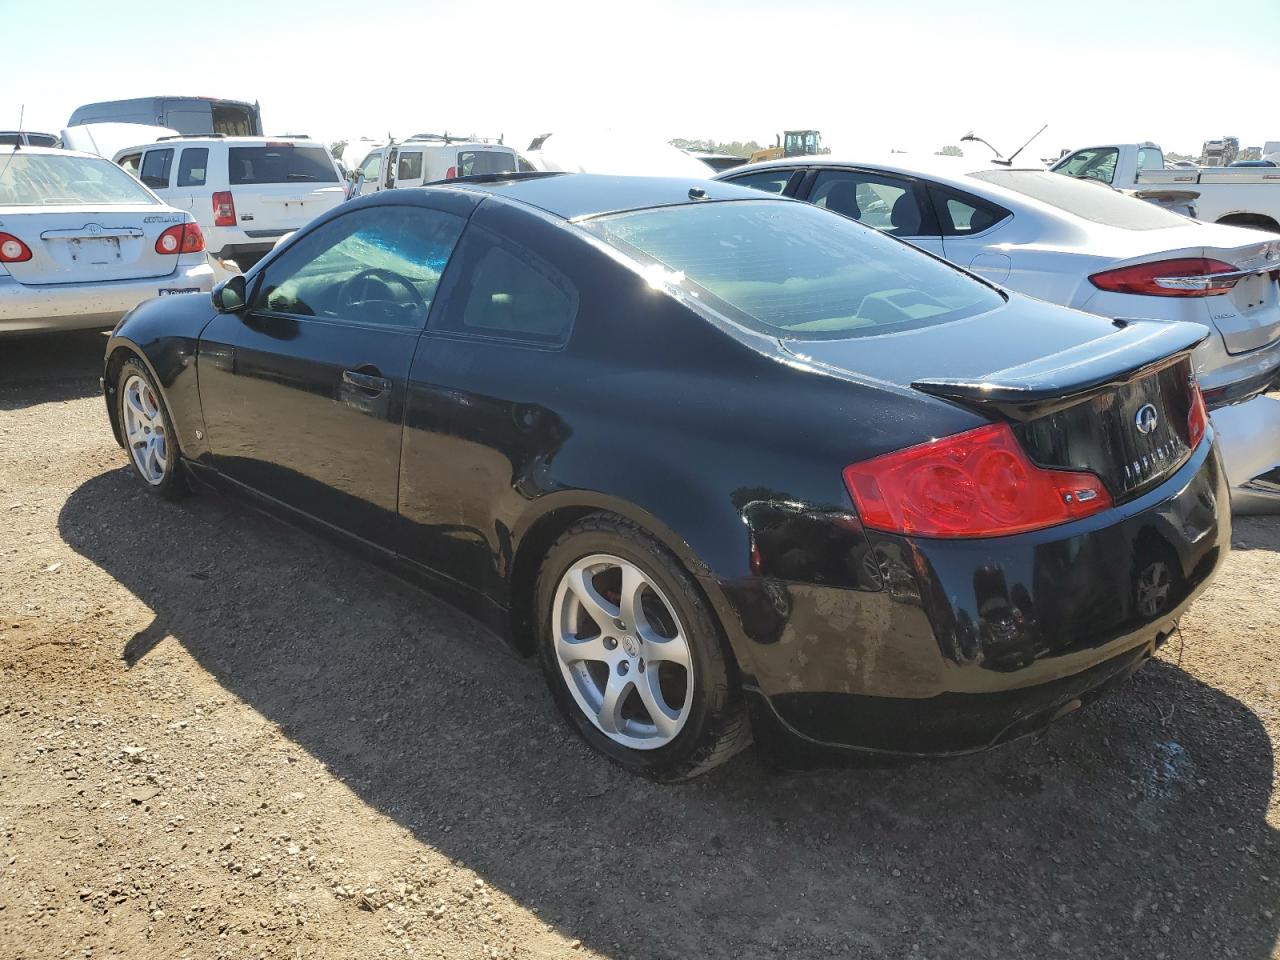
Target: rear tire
(659, 695)
(148, 433)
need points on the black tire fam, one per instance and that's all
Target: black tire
(717, 726)
(173, 485)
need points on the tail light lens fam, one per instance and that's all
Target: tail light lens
(1182, 277)
(451, 173)
(1197, 416)
(13, 250)
(974, 484)
(182, 238)
(224, 209)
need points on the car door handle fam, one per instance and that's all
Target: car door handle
(373, 382)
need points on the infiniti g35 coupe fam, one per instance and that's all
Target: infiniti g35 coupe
(730, 466)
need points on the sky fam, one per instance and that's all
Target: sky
(910, 74)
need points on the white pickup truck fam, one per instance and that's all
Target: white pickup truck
(1244, 196)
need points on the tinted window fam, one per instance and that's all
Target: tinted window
(372, 164)
(380, 265)
(31, 139)
(45, 179)
(962, 216)
(768, 181)
(409, 166)
(885, 203)
(794, 271)
(280, 163)
(508, 292)
(1091, 201)
(192, 166)
(155, 168)
(473, 162)
(1098, 163)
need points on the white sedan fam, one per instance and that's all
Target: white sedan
(1086, 246)
(82, 243)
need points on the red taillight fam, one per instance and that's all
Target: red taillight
(974, 484)
(224, 209)
(1182, 277)
(451, 173)
(13, 250)
(182, 238)
(1197, 416)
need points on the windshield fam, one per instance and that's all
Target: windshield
(1095, 203)
(281, 163)
(794, 271)
(35, 180)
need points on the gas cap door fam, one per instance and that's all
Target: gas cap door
(993, 266)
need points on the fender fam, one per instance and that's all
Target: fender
(163, 334)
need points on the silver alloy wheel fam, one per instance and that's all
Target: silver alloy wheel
(622, 652)
(144, 429)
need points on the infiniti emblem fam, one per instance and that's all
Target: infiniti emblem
(1146, 419)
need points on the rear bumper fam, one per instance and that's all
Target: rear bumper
(250, 248)
(1249, 434)
(82, 306)
(972, 643)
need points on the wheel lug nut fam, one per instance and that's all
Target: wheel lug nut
(610, 643)
(619, 624)
(623, 667)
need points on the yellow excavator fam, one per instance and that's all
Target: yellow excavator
(793, 143)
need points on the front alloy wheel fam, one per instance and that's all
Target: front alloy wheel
(144, 429)
(147, 431)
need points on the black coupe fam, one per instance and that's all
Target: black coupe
(731, 466)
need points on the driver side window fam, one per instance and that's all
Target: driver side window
(380, 265)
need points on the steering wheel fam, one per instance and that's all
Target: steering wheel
(379, 277)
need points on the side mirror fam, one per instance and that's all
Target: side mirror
(228, 296)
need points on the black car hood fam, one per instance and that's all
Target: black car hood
(1027, 353)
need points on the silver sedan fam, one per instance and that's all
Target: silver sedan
(82, 243)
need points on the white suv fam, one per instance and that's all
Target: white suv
(245, 192)
(424, 158)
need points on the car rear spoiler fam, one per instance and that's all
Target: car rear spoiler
(1060, 380)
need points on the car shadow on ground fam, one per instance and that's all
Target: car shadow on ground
(50, 368)
(1136, 827)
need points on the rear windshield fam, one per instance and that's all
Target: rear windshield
(281, 163)
(31, 180)
(31, 139)
(472, 162)
(795, 271)
(1092, 201)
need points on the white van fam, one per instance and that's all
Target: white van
(245, 192)
(425, 158)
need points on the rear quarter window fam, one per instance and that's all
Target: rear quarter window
(507, 292)
(280, 163)
(963, 216)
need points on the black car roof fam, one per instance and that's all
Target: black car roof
(575, 195)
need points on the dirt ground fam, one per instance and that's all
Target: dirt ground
(221, 737)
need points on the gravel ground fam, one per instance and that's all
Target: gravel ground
(221, 737)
